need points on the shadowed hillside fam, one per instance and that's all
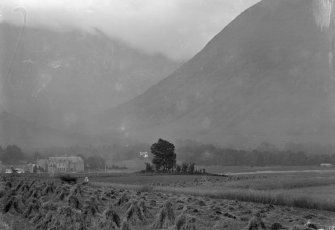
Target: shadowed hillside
(58, 78)
(267, 76)
(14, 130)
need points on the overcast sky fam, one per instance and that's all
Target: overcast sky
(175, 28)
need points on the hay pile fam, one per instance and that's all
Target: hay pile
(77, 191)
(73, 202)
(144, 209)
(110, 219)
(125, 226)
(65, 218)
(33, 209)
(49, 189)
(49, 206)
(14, 204)
(185, 222)
(62, 193)
(123, 199)
(256, 223)
(135, 214)
(42, 204)
(165, 218)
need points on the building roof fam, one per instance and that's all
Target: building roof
(71, 158)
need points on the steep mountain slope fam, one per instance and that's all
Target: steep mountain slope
(57, 78)
(14, 130)
(267, 76)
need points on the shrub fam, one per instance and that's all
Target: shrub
(184, 167)
(165, 217)
(134, 215)
(185, 222)
(191, 168)
(149, 167)
(178, 168)
(68, 179)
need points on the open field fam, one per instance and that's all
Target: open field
(279, 189)
(255, 169)
(135, 201)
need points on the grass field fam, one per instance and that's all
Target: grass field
(307, 190)
(212, 202)
(43, 203)
(246, 169)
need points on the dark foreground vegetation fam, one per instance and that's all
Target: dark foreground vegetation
(51, 204)
(68, 179)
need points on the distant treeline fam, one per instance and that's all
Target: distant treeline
(11, 154)
(265, 155)
(187, 151)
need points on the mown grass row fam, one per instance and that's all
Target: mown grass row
(284, 198)
(284, 182)
(3, 224)
(274, 197)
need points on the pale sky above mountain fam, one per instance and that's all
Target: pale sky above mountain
(176, 28)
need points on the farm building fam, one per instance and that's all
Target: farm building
(65, 164)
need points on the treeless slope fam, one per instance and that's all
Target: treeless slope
(14, 130)
(60, 77)
(267, 76)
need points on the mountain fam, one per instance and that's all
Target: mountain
(266, 77)
(59, 78)
(14, 130)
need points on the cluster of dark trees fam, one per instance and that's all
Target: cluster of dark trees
(164, 156)
(183, 168)
(188, 168)
(11, 154)
(164, 160)
(265, 155)
(93, 162)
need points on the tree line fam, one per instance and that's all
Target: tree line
(164, 159)
(164, 155)
(268, 155)
(11, 154)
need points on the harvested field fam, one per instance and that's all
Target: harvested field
(50, 204)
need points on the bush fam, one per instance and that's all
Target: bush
(178, 168)
(68, 179)
(191, 168)
(149, 167)
(184, 167)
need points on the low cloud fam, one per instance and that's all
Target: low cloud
(176, 28)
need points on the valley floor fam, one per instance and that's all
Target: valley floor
(170, 202)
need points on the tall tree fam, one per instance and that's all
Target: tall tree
(164, 155)
(12, 155)
(95, 162)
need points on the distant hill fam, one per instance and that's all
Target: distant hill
(14, 130)
(58, 78)
(267, 76)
